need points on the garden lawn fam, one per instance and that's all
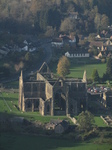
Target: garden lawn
(28, 142)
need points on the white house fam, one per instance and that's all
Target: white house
(3, 52)
(25, 48)
(25, 42)
(73, 15)
(77, 54)
(32, 49)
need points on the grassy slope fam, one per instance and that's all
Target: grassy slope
(17, 142)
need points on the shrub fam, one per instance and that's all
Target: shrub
(103, 60)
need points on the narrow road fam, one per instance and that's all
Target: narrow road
(48, 52)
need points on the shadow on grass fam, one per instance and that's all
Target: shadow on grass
(16, 142)
(11, 141)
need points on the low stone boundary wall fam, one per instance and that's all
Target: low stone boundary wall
(107, 120)
(104, 120)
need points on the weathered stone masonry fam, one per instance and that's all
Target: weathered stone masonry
(51, 96)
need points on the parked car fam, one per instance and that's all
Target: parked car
(107, 89)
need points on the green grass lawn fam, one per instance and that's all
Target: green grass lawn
(11, 141)
(79, 65)
(77, 71)
(28, 142)
(99, 122)
(12, 101)
(37, 116)
(8, 101)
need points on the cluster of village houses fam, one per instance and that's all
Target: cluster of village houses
(25, 46)
(102, 43)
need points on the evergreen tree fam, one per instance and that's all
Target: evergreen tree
(77, 39)
(54, 22)
(109, 67)
(63, 66)
(95, 75)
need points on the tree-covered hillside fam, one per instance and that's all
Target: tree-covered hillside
(38, 16)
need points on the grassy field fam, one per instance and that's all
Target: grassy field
(9, 106)
(79, 65)
(77, 71)
(28, 142)
(9, 103)
(11, 141)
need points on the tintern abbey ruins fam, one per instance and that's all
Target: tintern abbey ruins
(52, 96)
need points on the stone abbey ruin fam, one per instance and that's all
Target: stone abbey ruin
(52, 96)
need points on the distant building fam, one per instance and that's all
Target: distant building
(77, 54)
(59, 126)
(63, 40)
(57, 42)
(74, 15)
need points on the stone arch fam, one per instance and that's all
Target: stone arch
(28, 105)
(36, 105)
(59, 102)
(71, 109)
(48, 108)
(44, 68)
(82, 104)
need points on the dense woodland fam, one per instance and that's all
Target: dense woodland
(52, 16)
